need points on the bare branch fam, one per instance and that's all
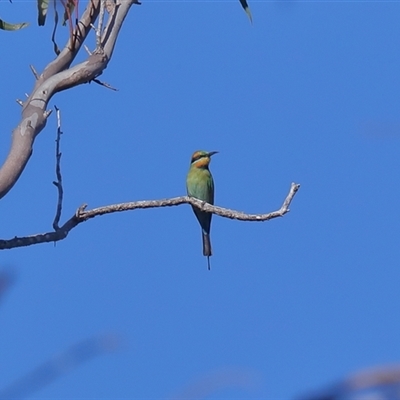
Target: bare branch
(100, 24)
(58, 183)
(68, 54)
(105, 84)
(81, 215)
(56, 77)
(110, 5)
(34, 72)
(87, 50)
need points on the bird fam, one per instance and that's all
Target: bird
(247, 9)
(200, 184)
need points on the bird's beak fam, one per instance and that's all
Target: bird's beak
(211, 153)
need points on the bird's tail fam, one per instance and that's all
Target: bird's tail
(207, 247)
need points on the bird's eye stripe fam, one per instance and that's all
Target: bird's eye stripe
(197, 157)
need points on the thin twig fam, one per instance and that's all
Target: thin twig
(58, 183)
(81, 215)
(87, 50)
(105, 84)
(34, 72)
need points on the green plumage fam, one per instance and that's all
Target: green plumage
(200, 184)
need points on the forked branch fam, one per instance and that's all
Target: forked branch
(82, 215)
(56, 77)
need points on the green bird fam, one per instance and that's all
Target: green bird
(247, 9)
(200, 184)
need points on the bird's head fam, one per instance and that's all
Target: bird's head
(201, 159)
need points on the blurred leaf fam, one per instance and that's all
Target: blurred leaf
(69, 9)
(43, 6)
(247, 9)
(12, 27)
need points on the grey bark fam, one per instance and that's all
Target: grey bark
(82, 215)
(56, 77)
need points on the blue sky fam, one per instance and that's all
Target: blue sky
(310, 94)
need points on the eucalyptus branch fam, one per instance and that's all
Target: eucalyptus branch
(56, 77)
(82, 215)
(34, 72)
(105, 84)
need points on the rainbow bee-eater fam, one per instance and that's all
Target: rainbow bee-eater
(200, 184)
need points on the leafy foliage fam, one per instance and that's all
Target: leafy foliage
(5, 26)
(42, 6)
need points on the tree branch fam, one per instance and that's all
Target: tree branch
(56, 77)
(81, 215)
(100, 24)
